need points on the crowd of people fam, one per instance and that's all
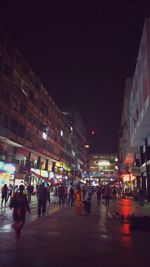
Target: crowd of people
(19, 199)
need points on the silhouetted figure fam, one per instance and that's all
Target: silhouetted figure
(4, 194)
(42, 199)
(20, 205)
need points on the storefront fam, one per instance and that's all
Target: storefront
(38, 176)
(7, 174)
(129, 182)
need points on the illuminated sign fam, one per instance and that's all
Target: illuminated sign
(9, 168)
(44, 173)
(128, 177)
(44, 135)
(36, 171)
(59, 164)
(61, 133)
(1, 165)
(104, 163)
(50, 167)
(51, 175)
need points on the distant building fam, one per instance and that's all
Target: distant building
(77, 140)
(102, 168)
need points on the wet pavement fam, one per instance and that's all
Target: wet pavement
(66, 238)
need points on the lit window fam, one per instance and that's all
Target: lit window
(44, 136)
(61, 133)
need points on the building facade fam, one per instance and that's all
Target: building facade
(139, 114)
(102, 169)
(34, 134)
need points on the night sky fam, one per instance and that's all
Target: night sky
(82, 52)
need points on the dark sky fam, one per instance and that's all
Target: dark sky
(82, 51)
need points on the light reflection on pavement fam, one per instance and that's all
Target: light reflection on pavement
(63, 239)
(6, 215)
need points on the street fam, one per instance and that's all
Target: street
(63, 238)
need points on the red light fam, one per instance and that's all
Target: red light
(93, 132)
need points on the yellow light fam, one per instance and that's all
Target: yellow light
(87, 146)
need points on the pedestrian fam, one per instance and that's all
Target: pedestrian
(29, 192)
(99, 193)
(4, 194)
(42, 199)
(141, 196)
(65, 194)
(83, 193)
(78, 203)
(71, 196)
(61, 192)
(114, 192)
(90, 193)
(87, 206)
(20, 205)
(48, 194)
(107, 196)
(10, 191)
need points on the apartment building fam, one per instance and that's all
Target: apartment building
(34, 133)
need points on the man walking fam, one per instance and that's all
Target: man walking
(42, 199)
(4, 194)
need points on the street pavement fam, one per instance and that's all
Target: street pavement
(66, 238)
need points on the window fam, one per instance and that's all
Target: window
(23, 109)
(14, 126)
(49, 148)
(21, 130)
(44, 144)
(4, 121)
(29, 136)
(41, 126)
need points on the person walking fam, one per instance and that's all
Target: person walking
(83, 193)
(61, 192)
(48, 194)
(141, 196)
(114, 192)
(87, 206)
(78, 203)
(30, 192)
(71, 198)
(99, 193)
(4, 194)
(42, 199)
(10, 192)
(20, 205)
(107, 196)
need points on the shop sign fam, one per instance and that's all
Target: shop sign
(50, 167)
(51, 175)
(58, 164)
(1, 165)
(36, 171)
(44, 173)
(9, 168)
(128, 177)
